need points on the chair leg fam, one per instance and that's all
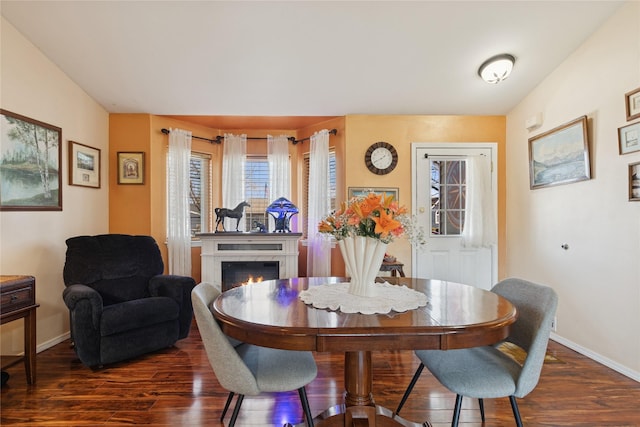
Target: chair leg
(305, 406)
(226, 405)
(516, 411)
(236, 410)
(410, 388)
(456, 411)
(481, 403)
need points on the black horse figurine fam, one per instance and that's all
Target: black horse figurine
(222, 213)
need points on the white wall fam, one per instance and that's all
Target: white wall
(598, 277)
(33, 243)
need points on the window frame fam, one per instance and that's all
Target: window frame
(250, 214)
(206, 186)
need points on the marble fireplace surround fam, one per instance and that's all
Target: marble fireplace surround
(247, 247)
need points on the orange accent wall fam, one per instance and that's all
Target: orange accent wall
(129, 205)
(401, 131)
(140, 209)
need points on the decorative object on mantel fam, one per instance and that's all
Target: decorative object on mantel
(282, 210)
(237, 212)
(259, 227)
(363, 228)
(388, 297)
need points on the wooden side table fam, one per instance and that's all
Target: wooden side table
(18, 295)
(394, 267)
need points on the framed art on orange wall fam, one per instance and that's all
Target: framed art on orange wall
(130, 167)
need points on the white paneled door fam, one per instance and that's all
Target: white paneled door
(439, 192)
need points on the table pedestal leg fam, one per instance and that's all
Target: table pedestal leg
(358, 379)
(359, 406)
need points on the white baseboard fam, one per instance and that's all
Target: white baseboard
(597, 357)
(57, 340)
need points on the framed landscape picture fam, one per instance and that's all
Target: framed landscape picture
(84, 165)
(560, 156)
(30, 170)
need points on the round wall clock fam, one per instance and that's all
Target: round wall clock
(381, 158)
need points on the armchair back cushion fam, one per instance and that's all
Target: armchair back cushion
(118, 266)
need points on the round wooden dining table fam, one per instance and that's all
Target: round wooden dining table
(270, 314)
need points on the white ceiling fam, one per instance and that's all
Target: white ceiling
(300, 58)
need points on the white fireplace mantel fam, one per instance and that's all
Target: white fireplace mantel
(229, 246)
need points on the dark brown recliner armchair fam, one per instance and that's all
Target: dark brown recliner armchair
(121, 304)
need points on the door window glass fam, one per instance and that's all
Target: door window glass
(448, 191)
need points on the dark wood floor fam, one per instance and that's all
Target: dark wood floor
(176, 387)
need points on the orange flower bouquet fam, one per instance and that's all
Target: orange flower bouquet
(375, 215)
(363, 227)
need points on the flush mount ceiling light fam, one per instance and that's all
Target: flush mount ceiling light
(497, 68)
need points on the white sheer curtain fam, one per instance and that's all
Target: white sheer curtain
(318, 246)
(233, 162)
(279, 170)
(479, 230)
(178, 218)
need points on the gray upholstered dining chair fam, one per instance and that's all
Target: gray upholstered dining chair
(245, 369)
(486, 372)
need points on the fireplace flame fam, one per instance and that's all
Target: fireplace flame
(251, 280)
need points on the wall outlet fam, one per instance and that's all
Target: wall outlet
(554, 324)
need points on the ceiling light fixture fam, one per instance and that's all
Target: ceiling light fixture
(497, 68)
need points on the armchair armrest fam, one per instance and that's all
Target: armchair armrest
(84, 302)
(179, 289)
(85, 308)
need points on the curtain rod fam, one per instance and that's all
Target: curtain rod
(218, 139)
(450, 156)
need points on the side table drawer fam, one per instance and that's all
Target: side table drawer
(16, 299)
(16, 292)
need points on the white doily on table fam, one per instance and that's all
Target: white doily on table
(388, 297)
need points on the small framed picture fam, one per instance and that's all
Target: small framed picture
(632, 103)
(634, 182)
(130, 167)
(84, 165)
(629, 138)
(361, 191)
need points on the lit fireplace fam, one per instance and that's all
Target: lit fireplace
(277, 253)
(237, 273)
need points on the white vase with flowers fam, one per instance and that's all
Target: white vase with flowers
(364, 227)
